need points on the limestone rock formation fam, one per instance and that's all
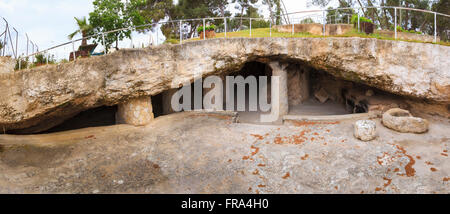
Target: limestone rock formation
(402, 121)
(365, 130)
(136, 112)
(6, 65)
(36, 99)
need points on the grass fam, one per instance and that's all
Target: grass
(265, 32)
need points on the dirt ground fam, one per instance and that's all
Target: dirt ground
(206, 153)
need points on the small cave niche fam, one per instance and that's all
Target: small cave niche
(316, 92)
(96, 117)
(157, 105)
(257, 70)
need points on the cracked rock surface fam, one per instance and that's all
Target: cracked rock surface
(206, 153)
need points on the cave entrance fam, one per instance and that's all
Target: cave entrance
(100, 116)
(255, 69)
(313, 92)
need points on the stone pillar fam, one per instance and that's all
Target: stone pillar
(283, 105)
(298, 85)
(167, 101)
(138, 112)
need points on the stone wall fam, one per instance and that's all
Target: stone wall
(316, 29)
(408, 36)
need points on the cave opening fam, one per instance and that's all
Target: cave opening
(96, 117)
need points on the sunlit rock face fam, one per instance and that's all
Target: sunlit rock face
(39, 98)
(6, 65)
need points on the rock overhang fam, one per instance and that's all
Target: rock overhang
(55, 92)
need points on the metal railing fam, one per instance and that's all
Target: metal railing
(187, 27)
(11, 41)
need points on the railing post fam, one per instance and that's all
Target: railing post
(324, 21)
(46, 53)
(225, 21)
(395, 22)
(28, 43)
(157, 36)
(435, 28)
(250, 27)
(181, 38)
(104, 44)
(73, 49)
(20, 63)
(270, 28)
(204, 30)
(293, 31)
(358, 22)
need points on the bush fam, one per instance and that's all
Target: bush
(23, 63)
(400, 29)
(362, 19)
(207, 28)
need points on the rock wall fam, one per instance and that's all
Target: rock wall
(6, 65)
(316, 29)
(42, 97)
(408, 36)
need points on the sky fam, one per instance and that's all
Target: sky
(48, 22)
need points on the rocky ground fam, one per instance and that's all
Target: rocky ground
(204, 153)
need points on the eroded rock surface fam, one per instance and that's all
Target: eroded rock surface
(37, 99)
(402, 121)
(208, 153)
(365, 130)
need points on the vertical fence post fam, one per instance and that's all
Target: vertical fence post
(157, 37)
(324, 21)
(17, 42)
(103, 41)
(20, 65)
(181, 38)
(270, 28)
(204, 30)
(293, 27)
(73, 49)
(225, 21)
(250, 27)
(4, 41)
(395, 22)
(32, 52)
(46, 59)
(435, 28)
(358, 21)
(28, 42)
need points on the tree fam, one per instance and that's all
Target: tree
(243, 5)
(84, 28)
(110, 15)
(143, 12)
(443, 24)
(193, 9)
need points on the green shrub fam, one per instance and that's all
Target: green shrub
(354, 19)
(200, 29)
(400, 29)
(211, 27)
(207, 28)
(23, 63)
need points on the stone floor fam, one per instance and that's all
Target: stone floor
(203, 153)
